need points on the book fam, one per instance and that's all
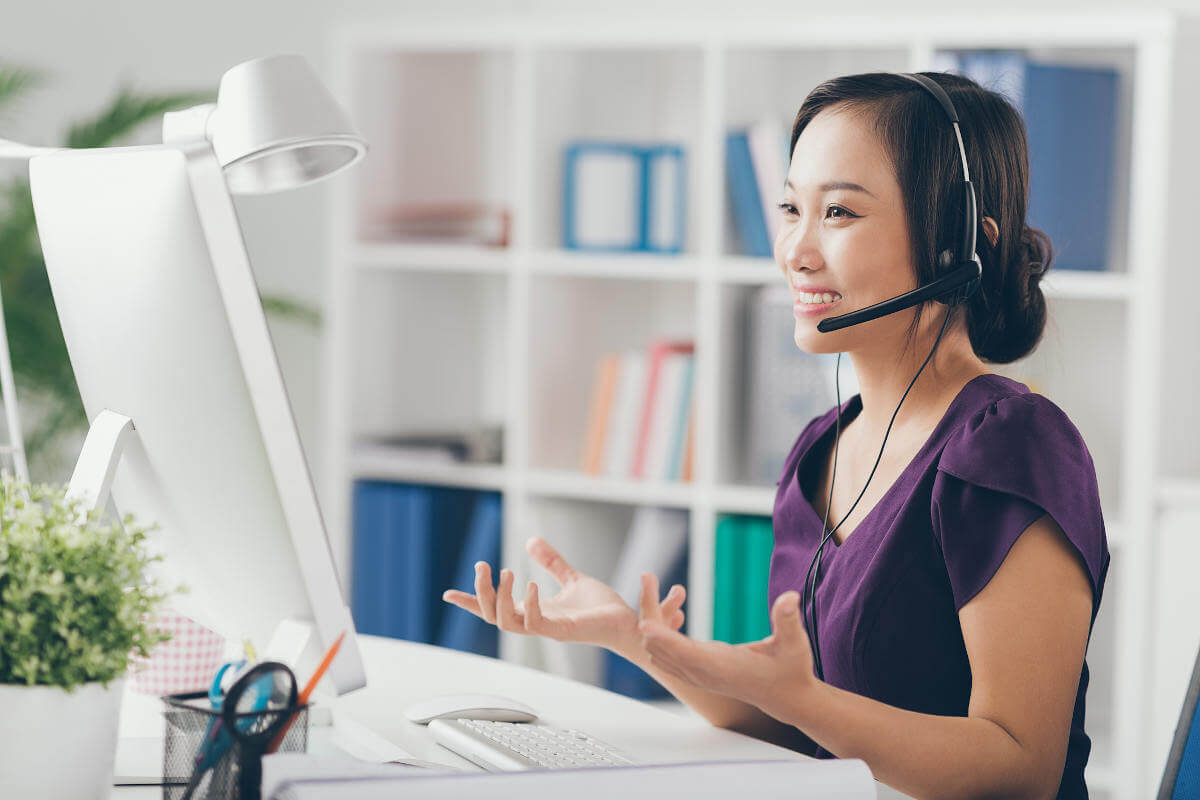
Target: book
(622, 429)
(666, 195)
(659, 351)
(603, 195)
(768, 140)
(622, 196)
(599, 410)
(665, 417)
(441, 223)
(1071, 176)
(727, 566)
(742, 570)
(406, 545)
(757, 541)
(689, 449)
(682, 423)
(744, 196)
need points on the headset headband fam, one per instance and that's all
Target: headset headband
(961, 268)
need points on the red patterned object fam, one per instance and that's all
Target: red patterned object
(186, 663)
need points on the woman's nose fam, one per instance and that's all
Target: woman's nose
(796, 252)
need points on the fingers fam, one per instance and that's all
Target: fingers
(785, 619)
(673, 601)
(535, 622)
(467, 602)
(648, 599)
(484, 592)
(549, 558)
(507, 616)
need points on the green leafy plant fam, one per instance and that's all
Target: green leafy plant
(39, 353)
(76, 599)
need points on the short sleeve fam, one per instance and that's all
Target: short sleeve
(1018, 459)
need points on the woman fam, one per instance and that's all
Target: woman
(957, 595)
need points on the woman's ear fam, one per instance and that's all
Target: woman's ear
(990, 228)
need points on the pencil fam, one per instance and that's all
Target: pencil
(308, 689)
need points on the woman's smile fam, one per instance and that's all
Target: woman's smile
(814, 304)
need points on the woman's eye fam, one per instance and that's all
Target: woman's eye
(843, 212)
(787, 208)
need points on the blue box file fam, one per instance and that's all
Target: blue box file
(622, 197)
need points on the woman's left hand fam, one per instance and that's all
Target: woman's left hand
(754, 672)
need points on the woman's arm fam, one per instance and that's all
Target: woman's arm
(1025, 634)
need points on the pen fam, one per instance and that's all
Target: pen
(308, 688)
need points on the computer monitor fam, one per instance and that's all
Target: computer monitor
(164, 325)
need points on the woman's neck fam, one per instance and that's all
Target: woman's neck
(884, 374)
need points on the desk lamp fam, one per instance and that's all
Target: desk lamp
(274, 127)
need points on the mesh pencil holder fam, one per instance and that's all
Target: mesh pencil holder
(236, 774)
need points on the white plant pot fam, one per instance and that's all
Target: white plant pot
(58, 744)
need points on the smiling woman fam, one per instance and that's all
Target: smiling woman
(968, 558)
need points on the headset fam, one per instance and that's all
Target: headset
(962, 274)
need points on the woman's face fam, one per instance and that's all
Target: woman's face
(844, 232)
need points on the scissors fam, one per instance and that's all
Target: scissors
(249, 692)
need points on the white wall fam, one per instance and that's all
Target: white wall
(91, 49)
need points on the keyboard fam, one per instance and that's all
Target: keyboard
(505, 746)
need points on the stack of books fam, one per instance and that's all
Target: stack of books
(640, 416)
(743, 567)
(410, 544)
(440, 223)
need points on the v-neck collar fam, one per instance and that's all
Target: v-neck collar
(848, 413)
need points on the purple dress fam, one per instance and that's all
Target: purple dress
(889, 596)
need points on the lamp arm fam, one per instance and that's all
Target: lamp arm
(189, 125)
(15, 151)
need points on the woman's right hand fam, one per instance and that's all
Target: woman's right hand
(584, 610)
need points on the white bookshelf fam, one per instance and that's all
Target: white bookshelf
(462, 335)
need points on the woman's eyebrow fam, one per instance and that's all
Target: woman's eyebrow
(833, 186)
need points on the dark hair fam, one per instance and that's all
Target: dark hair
(1006, 316)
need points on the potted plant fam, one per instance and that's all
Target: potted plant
(77, 604)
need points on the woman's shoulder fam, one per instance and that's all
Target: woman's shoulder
(1007, 427)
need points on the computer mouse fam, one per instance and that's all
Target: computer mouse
(470, 706)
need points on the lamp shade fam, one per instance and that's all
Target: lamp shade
(276, 126)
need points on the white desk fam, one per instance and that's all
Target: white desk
(399, 673)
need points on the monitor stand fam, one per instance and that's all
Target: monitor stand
(292, 642)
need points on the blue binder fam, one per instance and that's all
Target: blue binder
(650, 196)
(1071, 118)
(744, 197)
(460, 629)
(406, 545)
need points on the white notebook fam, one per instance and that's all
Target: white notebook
(293, 777)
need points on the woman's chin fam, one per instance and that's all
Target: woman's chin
(810, 340)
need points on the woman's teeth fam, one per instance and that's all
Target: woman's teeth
(819, 299)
